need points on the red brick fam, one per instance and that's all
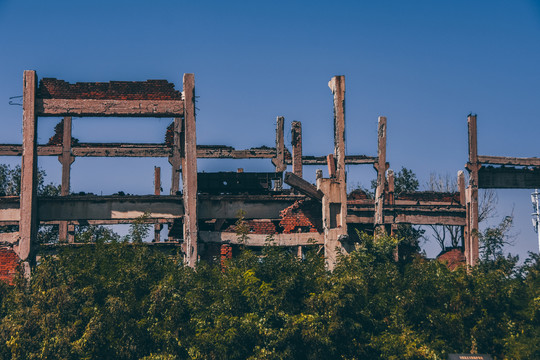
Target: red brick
(9, 261)
(453, 257)
(50, 88)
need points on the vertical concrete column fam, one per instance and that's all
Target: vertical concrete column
(296, 142)
(279, 160)
(176, 157)
(462, 202)
(331, 163)
(391, 187)
(334, 202)
(157, 191)
(461, 186)
(337, 85)
(66, 159)
(189, 172)
(471, 243)
(380, 166)
(28, 223)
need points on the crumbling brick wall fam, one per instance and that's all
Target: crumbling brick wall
(9, 261)
(58, 137)
(50, 88)
(302, 216)
(226, 254)
(263, 226)
(453, 257)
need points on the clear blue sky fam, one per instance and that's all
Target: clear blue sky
(423, 64)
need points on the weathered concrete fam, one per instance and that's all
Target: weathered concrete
(28, 225)
(279, 160)
(117, 108)
(175, 159)
(296, 142)
(157, 191)
(255, 206)
(380, 167)
(295, 239)
(70, 208)
(471, 240)
(334, 202)
(510, 161)
(189, 172)
(66, 159)
(303, 186)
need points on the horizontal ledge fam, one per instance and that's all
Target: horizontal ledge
(349, 159)
(99, 108)
(46, 248)
(294, 239)
(513, 161)
(111, 222)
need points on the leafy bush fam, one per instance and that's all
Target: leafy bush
(119, 300)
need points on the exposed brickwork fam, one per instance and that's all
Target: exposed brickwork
(453, 257)
(9, 261)
(50, 88)
(58, 137)
(226, 254)
(169, 135)
(430, 196)
(302, 216)
(358, 195)
(257, 227)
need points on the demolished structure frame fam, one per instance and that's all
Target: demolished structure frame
(187, 209)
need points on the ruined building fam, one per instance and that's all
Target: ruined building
(201, 215)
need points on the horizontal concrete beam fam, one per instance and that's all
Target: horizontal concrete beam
(255, 206)
(111, 221)
(226, 152)
(425, 215)
(295, 239)
(303, 186)
(349, 159)
(92, 108)
(9, 237)
(122, 209)
(510, 161)
(49, 249)
(109, 207)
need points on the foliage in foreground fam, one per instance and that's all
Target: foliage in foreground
(126, 301)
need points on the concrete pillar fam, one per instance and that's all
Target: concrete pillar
(189, 172)
(334, 202)
(296, 142)
(331, 163)
(279, 160)
(391, 187)
(66, 159)
(461, 186)
(28, 224)
(380, 166)
(176, 157)
(473, 166)
(157, 191)
(462, 202)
